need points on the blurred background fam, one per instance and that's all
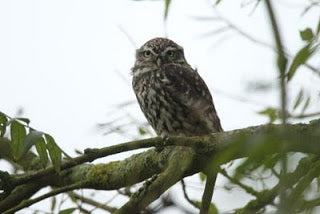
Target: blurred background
(66, 66)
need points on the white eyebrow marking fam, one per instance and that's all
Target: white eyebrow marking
(170, 49)
(149, 49)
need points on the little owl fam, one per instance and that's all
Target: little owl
(173, 97)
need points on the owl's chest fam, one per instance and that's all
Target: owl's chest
(150, 90)
(158, 105)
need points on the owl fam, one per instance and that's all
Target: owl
(171, 94)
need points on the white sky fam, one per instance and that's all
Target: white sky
(67, 63)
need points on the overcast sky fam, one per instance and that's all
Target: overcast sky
(67, 63)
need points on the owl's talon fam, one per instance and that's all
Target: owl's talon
(165, 140)
(159, 149)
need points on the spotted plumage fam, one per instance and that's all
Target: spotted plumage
(172, 95)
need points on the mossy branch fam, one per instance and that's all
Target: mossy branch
(237, 144)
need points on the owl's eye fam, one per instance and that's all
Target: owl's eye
(147, 54)
(171, 53)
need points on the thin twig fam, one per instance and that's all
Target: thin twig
(236, 181)
(253, 39)
(28, 203)
(92, 202)
(186, 195)
(129, 37)
(300, 116)
(267, 197)
(282, 64)
(281, 60)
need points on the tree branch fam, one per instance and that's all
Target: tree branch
(208, 192)
(178, 163)
(236, 144)
(19, 194)
(248, 189)
(89, 156)
(204, 144)
(27, 203)
(268, 196)
(193, 203)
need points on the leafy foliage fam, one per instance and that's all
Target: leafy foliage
(166, 10)
(272, 113)
(18, 134)
(23, 138)
(307, 34)
(54, 152)
(68, 211)
(306, 52)
(212, 208)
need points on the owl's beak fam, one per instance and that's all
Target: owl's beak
(158, 61)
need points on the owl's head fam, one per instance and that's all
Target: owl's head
(160, 51)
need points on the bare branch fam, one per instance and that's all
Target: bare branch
(236, 181)
(300, 116)
(114, 175)
(29, 202)
(208, 192)
(281, 60)
(179, 162)
(91, 202)
(187, 197)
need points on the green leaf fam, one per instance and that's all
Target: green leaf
(31, 139)
(73, 199)
(272, 113)
(198, 203)
(142, 131)
(307, 34)
(42, 151)
(318, 28)
(271, 160)
(166, 9)
(18, 134)
(202, 176)
(53, 203)
(212, 208)
(54, 152)
(300, 58)
(299, 98)
(23, 119)
(3, 124)
(67, 211)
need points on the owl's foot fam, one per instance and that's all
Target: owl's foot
(165, 138)
(159, 149)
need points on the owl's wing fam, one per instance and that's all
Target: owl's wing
(187, 87)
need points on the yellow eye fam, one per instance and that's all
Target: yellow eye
(171, 53)
(147, 54)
